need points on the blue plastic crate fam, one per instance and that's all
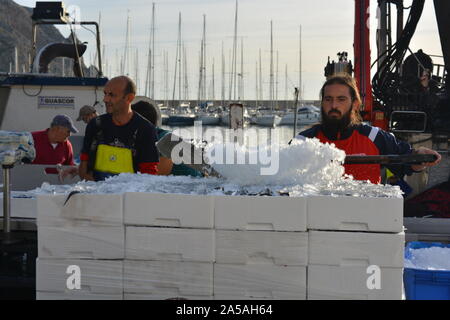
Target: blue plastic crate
(425, 284)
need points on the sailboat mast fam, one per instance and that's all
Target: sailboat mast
(300, 68)
(233, 61)
(152, 65)
(271, 89)
(177, 57)
(260, 77)
(125, 64)
(179, 64)
(201, 77)
(223, 77)
(166, 78)
(256, 86)
(136, 77)
(286, 86)
(242, 70)
(147, 91)
(213, 89)
(276, 84)
(204, 58)
(186, 82)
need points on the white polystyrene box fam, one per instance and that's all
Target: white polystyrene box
(21, 207)
(169, 244)
(168, 278)
(96, 276)
(259, 281)
(73, 295)
(163, 296)
(355, 214)
(102, 209)
(247, 247)
(356, 248)
(260, 213)
(77, 239)
(353, 282)
(169, 210)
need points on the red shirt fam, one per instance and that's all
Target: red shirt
(357, 144)
(46, 154)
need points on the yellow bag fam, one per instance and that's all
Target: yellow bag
(113, 159)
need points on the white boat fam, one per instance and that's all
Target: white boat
(208, 118)
(305, 115)
(225, 118)
(267, 120)
(182, 116)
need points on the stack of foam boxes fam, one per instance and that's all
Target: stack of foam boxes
(355, 248)
(81, 241)
(168, 246)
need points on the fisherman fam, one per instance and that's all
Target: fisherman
(53, 147)
(87, 113)
(120, 141)
(342, 125)
(166, 166)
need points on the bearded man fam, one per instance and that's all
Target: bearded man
(342, 125)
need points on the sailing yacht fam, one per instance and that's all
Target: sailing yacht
(267, 117)
(308, 114)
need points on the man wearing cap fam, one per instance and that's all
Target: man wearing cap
(52, 145)
(87, 113)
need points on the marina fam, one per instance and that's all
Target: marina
(271, 215)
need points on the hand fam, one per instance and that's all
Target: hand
(423, 166)
(63, 173)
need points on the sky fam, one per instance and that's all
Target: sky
(327, 28)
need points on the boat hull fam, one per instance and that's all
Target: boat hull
(268, 120)
(180, 121)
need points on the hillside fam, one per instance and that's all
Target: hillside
(16, 31)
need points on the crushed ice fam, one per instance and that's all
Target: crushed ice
(433, 258)
(306, 167)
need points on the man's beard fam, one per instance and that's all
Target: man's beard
(334, 125)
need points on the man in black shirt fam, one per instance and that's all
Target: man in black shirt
(120, 141)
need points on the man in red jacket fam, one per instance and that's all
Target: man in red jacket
(342, 125)
(53, 147)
